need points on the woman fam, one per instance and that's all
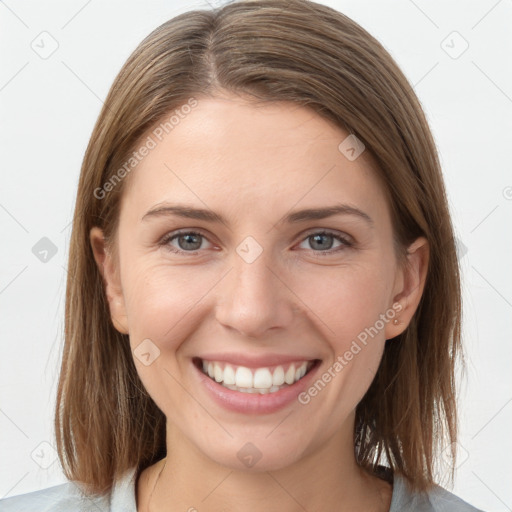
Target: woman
(263, 306)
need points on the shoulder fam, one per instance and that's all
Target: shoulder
(69, 497)
(59, 498)
(437, 499)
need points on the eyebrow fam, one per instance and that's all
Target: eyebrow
(190, 212)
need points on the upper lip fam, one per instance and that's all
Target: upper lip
(255, 361)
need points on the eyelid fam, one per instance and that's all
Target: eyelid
(327, 231)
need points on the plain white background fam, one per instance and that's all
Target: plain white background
(48, 109)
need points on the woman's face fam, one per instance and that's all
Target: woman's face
(229, 254)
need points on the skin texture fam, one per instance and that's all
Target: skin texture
(253, 165)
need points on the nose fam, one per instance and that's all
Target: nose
(253, 299)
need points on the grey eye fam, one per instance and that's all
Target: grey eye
(321, 241)
(189, 241)
(325, 242)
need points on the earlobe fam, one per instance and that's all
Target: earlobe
(111, 280)
(412, 278)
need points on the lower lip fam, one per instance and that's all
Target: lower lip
(255, 403)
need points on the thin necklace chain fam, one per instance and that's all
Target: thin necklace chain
(154, 486)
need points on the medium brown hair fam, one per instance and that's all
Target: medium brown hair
(272, 50)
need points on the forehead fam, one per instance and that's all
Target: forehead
(228, 152)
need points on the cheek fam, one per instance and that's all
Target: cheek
(344, 301)
(347, 306)
(162, 300)
(163, 304)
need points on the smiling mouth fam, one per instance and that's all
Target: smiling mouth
(262, 380)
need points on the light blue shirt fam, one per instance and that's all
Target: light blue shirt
(68, 497)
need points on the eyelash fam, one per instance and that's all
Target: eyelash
(165, 241)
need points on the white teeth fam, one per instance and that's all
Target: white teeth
(278, 377)
(300, 372)
(229, 375)
(218, 374)
(243, 377)
(263, 380)
(289, 377)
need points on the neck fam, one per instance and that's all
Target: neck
(328, 478)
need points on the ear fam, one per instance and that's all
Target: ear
(409, 286)
(111, 280)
